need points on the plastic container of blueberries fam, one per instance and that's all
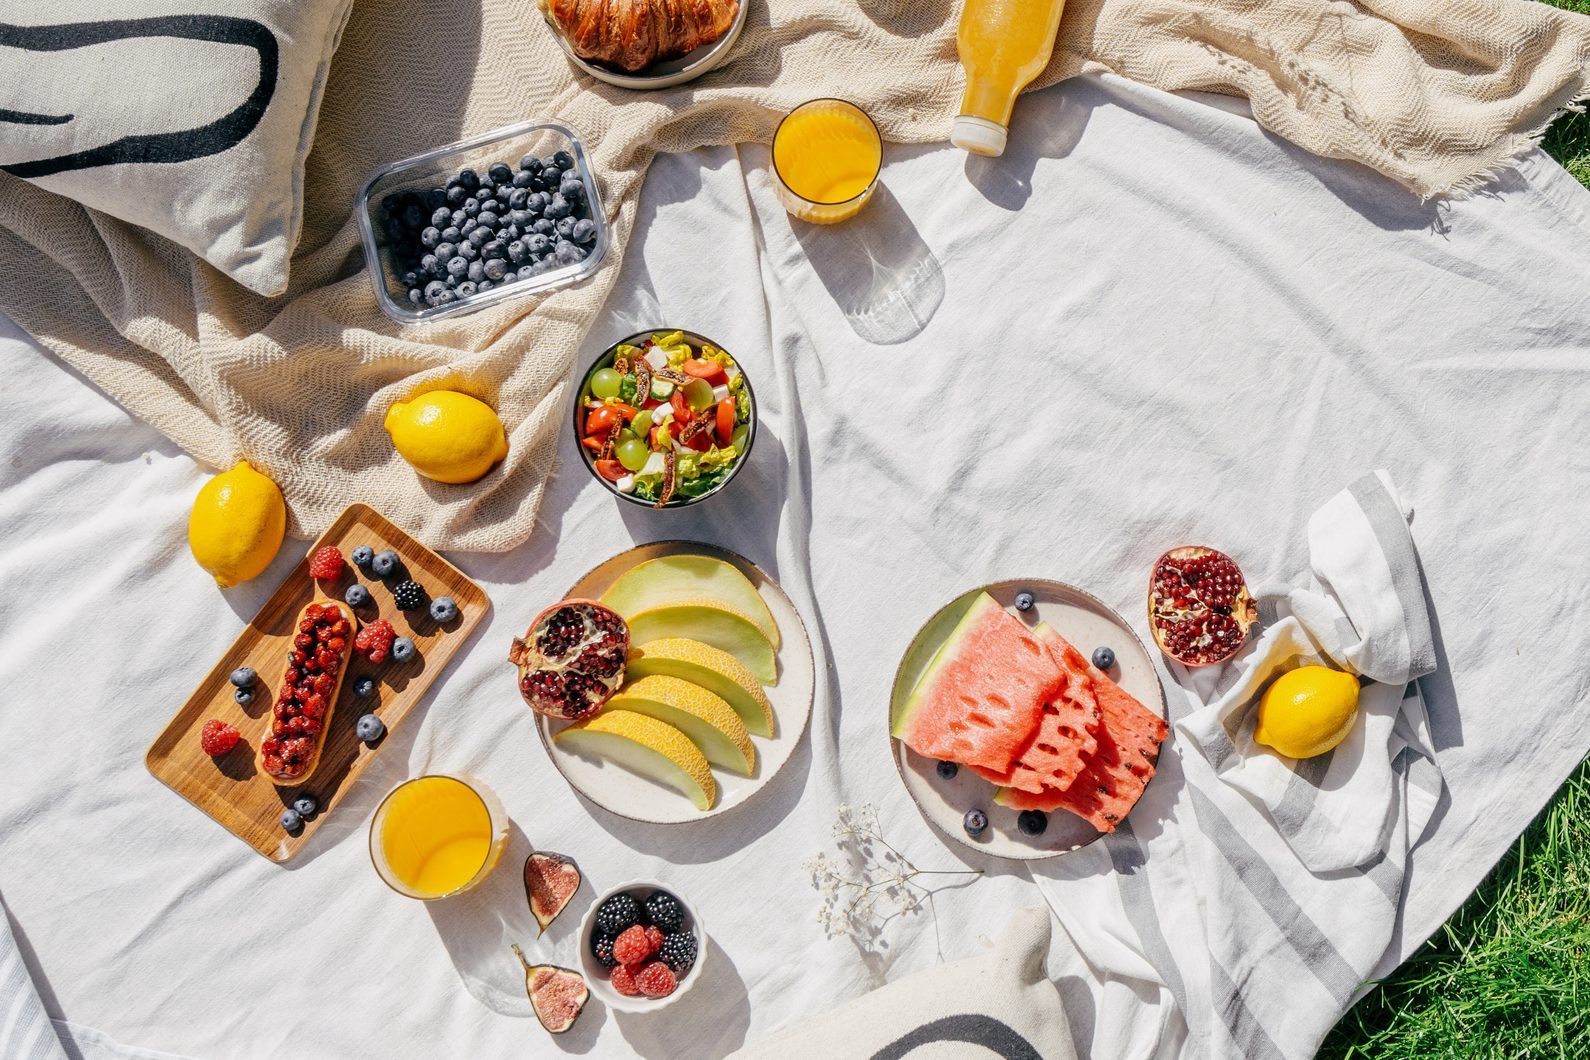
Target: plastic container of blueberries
(432, 170)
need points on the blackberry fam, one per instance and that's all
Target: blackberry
(408, 595)
(602, 950)
(678, 951)
(665, 911)
(617, 913)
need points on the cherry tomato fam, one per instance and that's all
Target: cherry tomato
(655, 432)
(711, 371)
(601, 420)
(611, 470)
(682, 410)
(701, 442)
(594, 442)
(629, 412)
(726, 421)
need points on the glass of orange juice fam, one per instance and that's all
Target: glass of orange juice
(826, 158)
(437, 836)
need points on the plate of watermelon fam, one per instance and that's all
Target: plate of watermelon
(1008, 736)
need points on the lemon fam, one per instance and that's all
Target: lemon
(1307, 711)
(447, 436)
(237, 524)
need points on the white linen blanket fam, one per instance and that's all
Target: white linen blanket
(1149, 324)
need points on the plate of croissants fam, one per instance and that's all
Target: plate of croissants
(645, 43)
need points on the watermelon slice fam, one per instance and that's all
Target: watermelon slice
(1129, 736)
(1064, 740)
(979, 702)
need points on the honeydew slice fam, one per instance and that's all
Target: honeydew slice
(711, 622)
(713, 669)
(672, 578)
(709, 722)
(644, 745)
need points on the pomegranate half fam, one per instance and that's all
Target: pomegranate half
(572, 659)
(1199, 607)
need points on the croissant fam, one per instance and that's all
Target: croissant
(634, 34)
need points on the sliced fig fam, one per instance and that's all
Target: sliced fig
(550, 880)
(557, 994)
(1199, 607)
(572, 659)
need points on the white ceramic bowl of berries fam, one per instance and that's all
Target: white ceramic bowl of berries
(661, 934)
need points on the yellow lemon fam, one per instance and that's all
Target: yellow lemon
(447, 436)
(237, 524)
(1307, 711)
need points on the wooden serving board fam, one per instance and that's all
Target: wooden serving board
(231, 788)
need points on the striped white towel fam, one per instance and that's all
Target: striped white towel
(25, 1029)
(1244, 906)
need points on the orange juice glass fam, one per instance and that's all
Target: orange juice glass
(826, 157)
(437, 836)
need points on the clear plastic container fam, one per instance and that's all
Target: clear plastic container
(432, 170)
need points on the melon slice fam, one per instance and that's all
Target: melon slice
(713, 669)
(670, 579)
(651, 748)
(1064, 740)
(980, 699)
(711, 622)
(1129, 737)
(711, 724)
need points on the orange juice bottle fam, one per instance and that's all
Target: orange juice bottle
(1004, 44)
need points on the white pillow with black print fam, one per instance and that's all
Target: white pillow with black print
(998, 1006)
(190, 118)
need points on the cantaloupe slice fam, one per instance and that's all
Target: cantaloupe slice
(713, 669)
(670, 579)
(709, 722)
(711, 622)
(646, 746)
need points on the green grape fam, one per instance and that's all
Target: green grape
(742, 434)
(632, 454)
(641, 424)
(604, 384)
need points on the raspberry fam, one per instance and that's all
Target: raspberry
(656, 980)
(623, 981)
(632, 946)
(375, 640)
(217, 737)
(654, 938)
(326, 564)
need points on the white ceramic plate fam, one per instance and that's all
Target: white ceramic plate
(687, 67)
(630, 795)
(1083, 620)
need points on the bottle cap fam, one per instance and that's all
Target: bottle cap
(978, 135)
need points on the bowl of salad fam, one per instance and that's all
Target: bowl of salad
(665, 418)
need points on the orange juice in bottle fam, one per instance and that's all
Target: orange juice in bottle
(1003, 44)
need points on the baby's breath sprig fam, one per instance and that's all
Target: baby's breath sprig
(871, 882)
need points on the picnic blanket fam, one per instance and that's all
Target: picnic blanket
(1440, 97)
(1042, 366)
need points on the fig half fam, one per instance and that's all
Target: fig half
(557, 994)
(1199, 607)
(550, 880)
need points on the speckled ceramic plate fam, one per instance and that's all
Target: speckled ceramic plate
(630, 795)
(1083, 620)
(687, 67)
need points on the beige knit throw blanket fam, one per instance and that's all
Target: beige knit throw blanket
(1436, 94)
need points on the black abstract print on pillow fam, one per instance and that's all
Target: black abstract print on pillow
(995, 1036)
(209, 139)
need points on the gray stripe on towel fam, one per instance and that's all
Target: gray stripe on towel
(1396, 544)
(1246, 1030)
(1128, 857)
(1385, 875)
(1319, 953)
(1291, 814)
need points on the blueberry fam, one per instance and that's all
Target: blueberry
(478, 237)
(584, 230)
(428, 263)
(471, 208)
(485, 194)
(477, 271)
(538, 202)
(1024, 601)
(434, 290)
(517, 198)
(364, 686)
(403, 649)
(468, 251)
(431, 236)
(517, 252)
(467, 289)
(568, 253)
(504, 193)
(468, 179)
(559, 207)
(947, 770)
(496, 269)
(552, 177)
(544, 227)
(292, 820)
(489, 219)
(484, 285)
(530, 164)
(572, 189)
(1104, 658)
(361, 556)
(496, 248)
(441, 217)
(243, 676)
(385, 563)
(446, 252)
(444, 609)
(452, 234)
(445, 297)
(563, 160)
(500, 172)
(566, 228)
(522, 179)
(416, 296)
(537, 244)
(522, 218)
(1032, 822)
(369, 728)
(411, 279)
(975, 822)
(456, 195)
(525, 272)
(306, 805)
(509, 233)
(357, 595)
(457, 266)
(244, 696)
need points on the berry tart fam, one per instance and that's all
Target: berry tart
(317, 663)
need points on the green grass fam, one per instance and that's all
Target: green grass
(1509, 974)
